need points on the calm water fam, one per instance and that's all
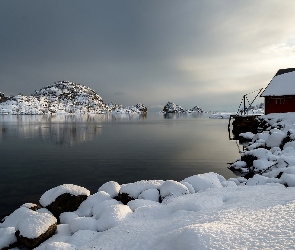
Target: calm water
(40, 152)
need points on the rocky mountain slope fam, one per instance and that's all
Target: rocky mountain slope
(63, 97)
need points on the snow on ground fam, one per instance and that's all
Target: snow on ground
(227, 218)
(213, 213)
(239, 217)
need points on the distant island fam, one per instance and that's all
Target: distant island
(63, 97)
(171, 107)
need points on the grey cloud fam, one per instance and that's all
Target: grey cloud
(152, 51)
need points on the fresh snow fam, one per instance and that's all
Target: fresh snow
(136, 188)
(49, 196)
(111, 187)
(35, 224)
(227, 218)
(216, 214)
(7, 236)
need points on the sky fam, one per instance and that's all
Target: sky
(190, 52)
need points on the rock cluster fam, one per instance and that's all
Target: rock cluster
(171, 107)
(269, 155)
(70, 210)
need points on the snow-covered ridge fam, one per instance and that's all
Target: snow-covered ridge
(64, 97)
(171, 107)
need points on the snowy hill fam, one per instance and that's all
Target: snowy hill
(63, 97)
(171, 107)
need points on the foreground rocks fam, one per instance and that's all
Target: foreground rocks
(63, 226)
(70, 210)
(270, 153)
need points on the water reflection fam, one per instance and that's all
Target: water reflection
(63, 130)
(181, 115)
(127, 148)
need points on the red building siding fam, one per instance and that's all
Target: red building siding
(279, 104)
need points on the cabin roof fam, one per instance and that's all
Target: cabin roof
(283, 83)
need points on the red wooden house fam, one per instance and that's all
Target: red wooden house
(279, 95)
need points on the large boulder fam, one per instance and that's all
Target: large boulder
(35, 228)
(64, 198)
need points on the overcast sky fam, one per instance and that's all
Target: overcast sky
(191, 52)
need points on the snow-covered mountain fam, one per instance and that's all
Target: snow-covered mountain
(171, 107)
(63, 97)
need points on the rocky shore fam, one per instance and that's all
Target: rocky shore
(72, 205)
(270, 154)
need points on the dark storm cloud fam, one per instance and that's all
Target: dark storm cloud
(148, 51)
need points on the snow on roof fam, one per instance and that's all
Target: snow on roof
(283, 83)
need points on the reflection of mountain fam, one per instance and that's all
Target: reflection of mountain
(62, 130)
(65, 130)
(181, 115)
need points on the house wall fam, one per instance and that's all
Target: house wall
(279, 104)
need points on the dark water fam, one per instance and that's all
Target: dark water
(40, 152)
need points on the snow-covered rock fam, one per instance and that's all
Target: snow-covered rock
(202, 182)
(171, 189)
(111, 187)
(35, 224)
(100, 207)
(29, 227)
(113, 216)
(270, 153)
(151, 194)
(67, 217)
(50, 196)
(203, 211)
(85, 209)
(83, 223)
(64, 198)
(171, 107)
(132, 191)
(7, 237)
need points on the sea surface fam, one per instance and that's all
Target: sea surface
(41, 152)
